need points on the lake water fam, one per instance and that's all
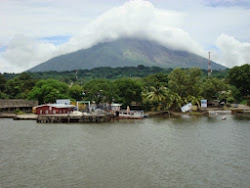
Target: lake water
(156, 152)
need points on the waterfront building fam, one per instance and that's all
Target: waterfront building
(54, 109)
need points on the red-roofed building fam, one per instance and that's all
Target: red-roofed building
(54, 109)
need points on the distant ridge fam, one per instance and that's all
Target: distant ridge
(125, 52)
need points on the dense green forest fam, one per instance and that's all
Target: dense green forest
(106, 73)
(149, 87)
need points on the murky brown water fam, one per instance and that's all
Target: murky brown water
(154, 152)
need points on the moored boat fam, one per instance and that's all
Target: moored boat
(132, 114)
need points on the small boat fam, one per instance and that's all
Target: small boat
(224, 118)
(131, 114)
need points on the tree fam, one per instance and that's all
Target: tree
(211, 88)
(76, 92)
(165, 97)
(3, 95)
(128, 91)
(2, 83)
(47, 91)
(194, 100)
(156, 95)
(18, 87)
(173, 101)
(156, 80)
(185, 82)
(99, 90)
(240, 78)
(12, 88)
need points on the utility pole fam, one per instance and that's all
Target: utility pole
(209, 65)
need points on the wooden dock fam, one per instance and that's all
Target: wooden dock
(68, 118)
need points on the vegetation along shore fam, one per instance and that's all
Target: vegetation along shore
(148, 88)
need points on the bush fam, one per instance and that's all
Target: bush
(230, 99)
(18, 111)
(244, 102)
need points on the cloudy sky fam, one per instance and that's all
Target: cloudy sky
(33, 31)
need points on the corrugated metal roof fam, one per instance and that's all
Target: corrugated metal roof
(56, 106)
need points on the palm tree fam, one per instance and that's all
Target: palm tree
(173, 100)
(163, 96)
(195, 100)
(156, 95)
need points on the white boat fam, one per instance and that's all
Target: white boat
(131, 114)
(224, 118)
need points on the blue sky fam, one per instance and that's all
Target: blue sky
(228, 3)
(36, 30)
(56, 40)
(3, 48)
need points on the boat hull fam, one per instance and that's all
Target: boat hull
(131, 115)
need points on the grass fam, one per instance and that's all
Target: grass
(19, 112)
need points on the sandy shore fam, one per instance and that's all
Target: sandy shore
(7, 115)
(18, 116)
(25, 117)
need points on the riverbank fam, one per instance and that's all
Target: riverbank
(7, 115)
(241, 109)
(28, 116)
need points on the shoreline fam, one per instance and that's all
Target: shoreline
(240, 110)
(27, 116)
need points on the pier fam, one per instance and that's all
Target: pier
(69, 118)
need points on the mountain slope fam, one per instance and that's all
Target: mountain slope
(123, 53)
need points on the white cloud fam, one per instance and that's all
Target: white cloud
(135, 18)
(43, 18)
(25, 52)
(232, 52)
